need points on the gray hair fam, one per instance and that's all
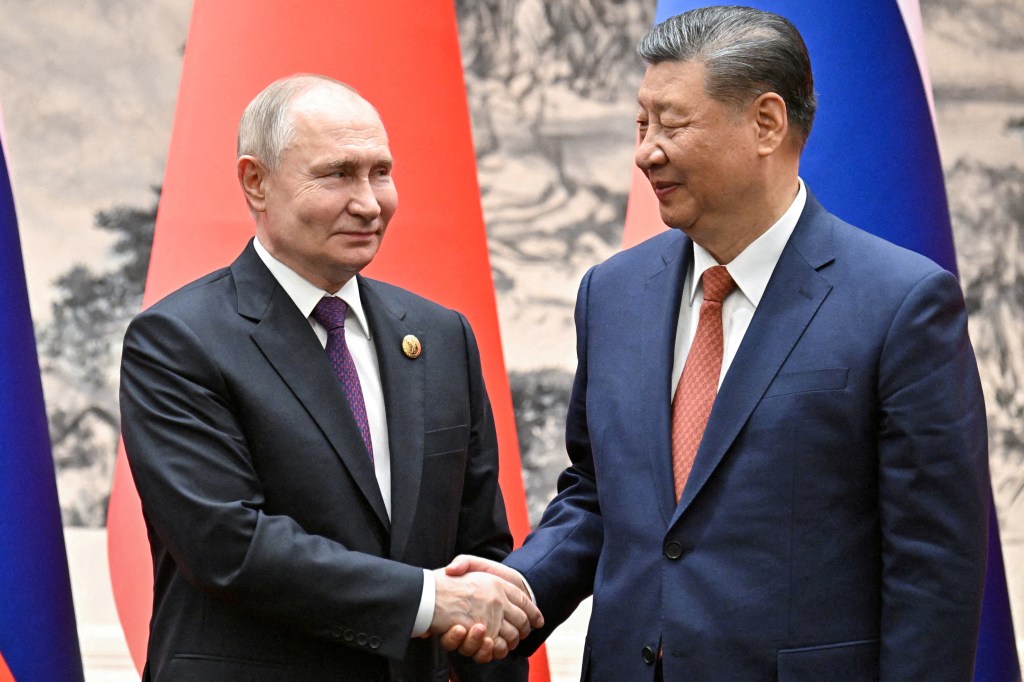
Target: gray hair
(266, 127)
(747, 52)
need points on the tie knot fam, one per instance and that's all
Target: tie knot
(717, 283)
(330, 312)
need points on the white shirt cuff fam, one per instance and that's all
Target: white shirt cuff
(425, 613)
(529, 590)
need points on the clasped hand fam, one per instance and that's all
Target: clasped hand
(481, 608)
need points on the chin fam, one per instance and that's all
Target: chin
(673, 221)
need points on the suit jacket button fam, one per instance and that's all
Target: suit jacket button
(374, 642)
(673, 550)
(349, 635)
(361, 639)
(649, 656)
(336, 632)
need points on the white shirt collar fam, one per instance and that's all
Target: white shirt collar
(752, 269)
(306, 295)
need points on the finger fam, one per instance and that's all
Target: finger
(510, 635)
(500, 650)
(530, 611)
(495, 614)
(459, 565)
(515, 614)
(474, 640)
(483, 650)
(533, 614)
(522, 624)
(453, 639)
(467, 563)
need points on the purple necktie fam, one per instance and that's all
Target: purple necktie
(330, 313)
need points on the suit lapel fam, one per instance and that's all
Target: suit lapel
(660, 301)
(403, 381)
(790, 301)
(291, 347)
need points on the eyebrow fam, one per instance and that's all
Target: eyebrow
(349, 166)
(657, 107)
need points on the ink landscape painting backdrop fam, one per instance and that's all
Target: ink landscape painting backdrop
(88, 91)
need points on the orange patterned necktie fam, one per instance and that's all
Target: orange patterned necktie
(698, 384)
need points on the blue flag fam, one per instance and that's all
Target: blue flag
(873, 160)
(38, 638)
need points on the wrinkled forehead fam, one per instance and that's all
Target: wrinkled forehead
(338, 139)
(668, 85)
(333, 124)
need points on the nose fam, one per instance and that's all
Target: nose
(648, 153)
(363, 202)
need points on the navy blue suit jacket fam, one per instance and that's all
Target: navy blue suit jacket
(834, 524)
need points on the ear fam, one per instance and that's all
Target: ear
(772, 122)
(252, 176)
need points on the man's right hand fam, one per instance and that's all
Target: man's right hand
(481, 615)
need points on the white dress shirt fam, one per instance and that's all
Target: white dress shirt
(751, 271)
(306, 295)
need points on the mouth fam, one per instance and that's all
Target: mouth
(357, 235)
(662, 188)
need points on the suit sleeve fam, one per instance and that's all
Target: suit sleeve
(933, 487)
(559, 559)
(203, 502)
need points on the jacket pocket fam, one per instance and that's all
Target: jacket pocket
(206, 668)
(451, 439)
(804, 382)
(848, 661)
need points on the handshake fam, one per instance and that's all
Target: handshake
(481, 609)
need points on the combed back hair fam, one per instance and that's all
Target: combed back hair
(266, 127)
(746, 51)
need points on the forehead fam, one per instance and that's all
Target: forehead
(671, 85)
(336, 117)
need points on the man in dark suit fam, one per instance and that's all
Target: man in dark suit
(824, 516)
(297, 500)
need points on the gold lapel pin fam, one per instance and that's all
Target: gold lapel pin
(411, 347)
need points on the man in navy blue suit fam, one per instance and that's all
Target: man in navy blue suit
(830, 521)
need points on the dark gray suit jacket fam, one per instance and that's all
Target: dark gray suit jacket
(273, 554)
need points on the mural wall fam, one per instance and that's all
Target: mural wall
(88, 91)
